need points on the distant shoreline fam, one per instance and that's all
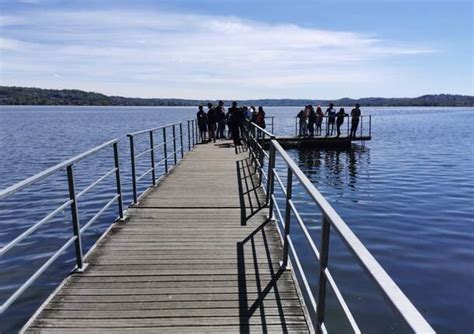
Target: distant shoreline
(25, 96)
(195, 106)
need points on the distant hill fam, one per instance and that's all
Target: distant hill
(38, 96)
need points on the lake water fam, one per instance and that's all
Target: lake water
(408, 195)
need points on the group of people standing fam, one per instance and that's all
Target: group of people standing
(213, 123)
(311, 120)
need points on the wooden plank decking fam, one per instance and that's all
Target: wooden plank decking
(196, 255)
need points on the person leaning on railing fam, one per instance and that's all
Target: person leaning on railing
(303, 117)
(355, 114)
(339, 121)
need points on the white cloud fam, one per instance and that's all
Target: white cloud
(166, 54)
(12, 44)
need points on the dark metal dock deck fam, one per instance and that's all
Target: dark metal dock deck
(196, 254)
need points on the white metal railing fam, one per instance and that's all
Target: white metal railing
(72, 204)
(324, 127)
(169, 136)
(257, 140)
(74, 195)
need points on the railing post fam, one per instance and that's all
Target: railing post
(181, 138)
(361, 124)
(117, 180)
(174, 144)
(261, 159)
(256, 155)
(152, 145)
(271, 179)
(192, 131)
(273, 130)
(134, 175)
(370, 125)
(75, 218)
(289, 186)
(323, 263)
(196, 131)
(165, 150)
(189, 137)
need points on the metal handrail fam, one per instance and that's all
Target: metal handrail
(272, 123)
(72, 203)
(153, 148)
(330, 219)
(35, 178)
(152, 129)
(325, 126)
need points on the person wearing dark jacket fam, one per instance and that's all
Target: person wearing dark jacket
(212, 120)
(202, 123)
(236, 120)
(228, 121)
(311, 120)
(221, 120)
(355, 114)
(260, 117)
(339, 121)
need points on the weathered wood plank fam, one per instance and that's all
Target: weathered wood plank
(171, 297)
(171, 305)
(287, 328)
(158, 322)
(164, 313)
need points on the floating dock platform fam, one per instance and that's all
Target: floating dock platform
(320, 141)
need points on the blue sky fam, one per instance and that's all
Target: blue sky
(239, 49)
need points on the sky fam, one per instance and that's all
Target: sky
(246, 49)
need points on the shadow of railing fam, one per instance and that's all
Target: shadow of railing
(266, 283)
(257, 262)
(250, 197)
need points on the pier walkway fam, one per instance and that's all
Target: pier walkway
(196, 254)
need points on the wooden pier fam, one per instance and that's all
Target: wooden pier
(197, 254)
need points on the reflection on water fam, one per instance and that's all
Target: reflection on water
(343, 177)
(335, 168)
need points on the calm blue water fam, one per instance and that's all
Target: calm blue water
(408, 195)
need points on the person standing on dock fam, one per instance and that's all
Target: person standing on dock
(202, 123)
(303, 117)
(311, 120)
(319, 120)
(331, 113)
(355, 114)
(260, 119)
(212, 120)
(236, 121)
(221, 120)
(340, 120)
(228, 120)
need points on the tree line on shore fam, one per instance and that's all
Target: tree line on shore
(38, 96)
